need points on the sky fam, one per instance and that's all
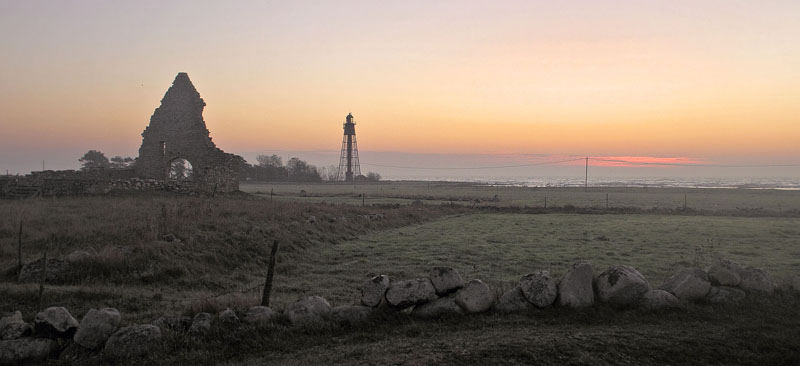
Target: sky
(464, 83)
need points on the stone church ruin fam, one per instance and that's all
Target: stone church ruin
(176, 133)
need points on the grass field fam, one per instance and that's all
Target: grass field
(220, 261)
(729, 201)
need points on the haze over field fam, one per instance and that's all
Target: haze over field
(456, 83)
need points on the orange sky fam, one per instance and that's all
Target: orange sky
(707, 80)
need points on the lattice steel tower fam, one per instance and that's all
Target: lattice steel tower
(348, 160)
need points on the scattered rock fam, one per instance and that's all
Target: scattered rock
(13, 327)
(228, 316)
(373, 290)
(725, 294)
(78, 256)
(55, 322)
(724, 273)
(258, 315)
(402, 294)
(512, 301)
(170, 238)
(201, 323)
(475, 297)
(437, 308)
(96, 327)
(351, 314)
(756, 279)
(689, 284)
(659, 299)
(575, 288)
(32, 272)
(26, 350)
(134, 341)
(312, 219)
(621, 285)
(539, 288)
(173, 322)
(445, 280)
(308, 310)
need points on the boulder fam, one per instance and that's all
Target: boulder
(756, 279)
(201, 323)
(228, 316)
(475, 297)
(689, 284)
(445, 280)
(13, 327)
(32, 272)
(308, 310)
(96, 327)
(575, 289)
(175, 323)
(724, 273)
(621, 285)
(134, 341)
(539, 288)
(26, 350)
(659, 299)
(351, 314)
(55, 322)
(374, 289)
(402, 294)
(258, 315)
(512, 301)
(437, 308)
(725, 295)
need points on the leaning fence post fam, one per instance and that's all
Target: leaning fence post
(44, 278)
(19, 248)
(270, 274)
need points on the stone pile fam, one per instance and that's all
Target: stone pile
(442, 293)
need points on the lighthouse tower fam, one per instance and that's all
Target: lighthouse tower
(349, 167)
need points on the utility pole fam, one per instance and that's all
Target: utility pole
(42, 165)
(586, 180)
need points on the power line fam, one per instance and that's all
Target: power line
(701, 165)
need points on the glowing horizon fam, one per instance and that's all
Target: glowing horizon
(680, 81)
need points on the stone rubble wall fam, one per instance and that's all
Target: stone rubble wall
(442, 293)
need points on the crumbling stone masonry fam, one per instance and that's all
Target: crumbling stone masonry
(177, 131)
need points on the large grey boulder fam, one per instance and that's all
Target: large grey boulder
(539, 288)
(26, 350)
(258, 315)
(134, 341)
(725, 295)
(374, 289)
(512, 301)
(756, 279)
(437, 308)
(308, 310)
(96, 327)
(575, 288)
(445, 280)
(351, 314)
(55, 322)
(201, 323)
(475, 297)
(659, 299)
(402, 294)
(621, 285)
(688, 284)
(724, 273)
(228, 317)
(13, 327)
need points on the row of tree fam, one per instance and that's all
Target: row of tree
(267, 168)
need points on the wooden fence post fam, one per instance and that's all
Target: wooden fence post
(270, 273)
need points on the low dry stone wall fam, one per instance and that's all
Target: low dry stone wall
(92, 182)
(443, 292)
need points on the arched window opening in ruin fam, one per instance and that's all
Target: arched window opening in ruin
(180, 169)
